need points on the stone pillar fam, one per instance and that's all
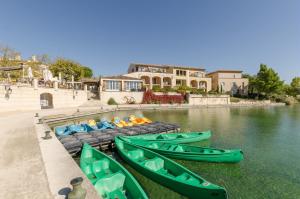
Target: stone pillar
(35, 84)
(150, 82)
(85, 88)
(122, 85)
(55, 85)
(161, 82)
(173, 81)
(187, 75)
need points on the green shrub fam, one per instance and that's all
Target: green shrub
(183, 89)
(168, 89)
(112, 101)
(198, 91)
(156, 88)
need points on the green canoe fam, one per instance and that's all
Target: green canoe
(173, 138)
(187, 152)
(168, 173)
(111, 180)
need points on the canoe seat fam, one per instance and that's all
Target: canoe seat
(101, 167)
(187, 178)
(179, 149)
(87, 155)
(153, 145)
(137, 154)
(88, 171)
(181, 136)
(175, 147)
(154, 164)
(117, 194)
(161, 137)
(110, 184)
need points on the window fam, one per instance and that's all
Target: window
(111, 85)
(132, 85)
(180, 82)
(180, 72)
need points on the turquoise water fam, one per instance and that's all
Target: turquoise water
(269, 137)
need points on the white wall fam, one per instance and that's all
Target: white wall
(119, 97)
(28, 98)
(209, 100)
(230, 75)
(229, 84)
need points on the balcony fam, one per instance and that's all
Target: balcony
(196, 75)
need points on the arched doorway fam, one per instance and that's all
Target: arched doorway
(167, 82)
(46, 100)
(146, 81)
(194, 84)
(156, 81)
(203, 85)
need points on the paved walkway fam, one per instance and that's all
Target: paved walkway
(33, 168)
(22, 173)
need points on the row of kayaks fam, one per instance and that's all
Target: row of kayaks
(148, 154)
(92, 125)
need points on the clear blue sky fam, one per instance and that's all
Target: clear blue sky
(107, 35)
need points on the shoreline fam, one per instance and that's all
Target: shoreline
(54, 179)
(95, 110)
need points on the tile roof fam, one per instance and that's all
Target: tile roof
(225, 71)
(120, 77)
(168, 66)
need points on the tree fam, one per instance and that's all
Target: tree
(295, 86)
(7, 54)
(295, 82)
(68, 68)
(86, 72)
(252, 83)
(267, 81)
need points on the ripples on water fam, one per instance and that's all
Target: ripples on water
(269, 137)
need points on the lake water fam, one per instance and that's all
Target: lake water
(268, 136)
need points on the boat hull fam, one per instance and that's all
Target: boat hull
(174, 138)
(189, 190)
(233, 157)
(187, 152)
(111, 175)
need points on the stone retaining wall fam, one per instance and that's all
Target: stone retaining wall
(120, 97)
(209, 100)
(28, 98)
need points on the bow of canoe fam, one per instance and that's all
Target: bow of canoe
(174, 138)
(188, 152)
(111, 179)
(168, 172)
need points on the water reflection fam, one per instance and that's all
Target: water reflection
(269, 137)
